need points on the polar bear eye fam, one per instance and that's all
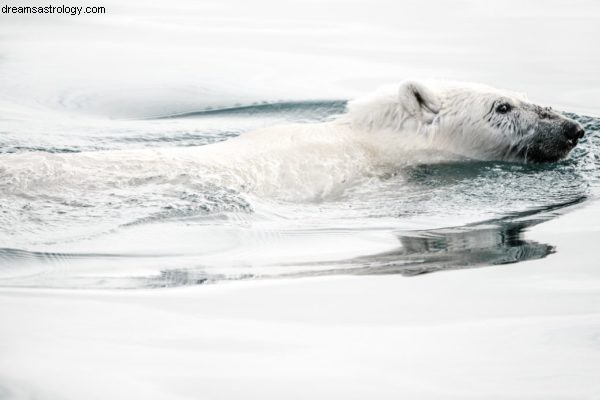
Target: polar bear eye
(503, 108)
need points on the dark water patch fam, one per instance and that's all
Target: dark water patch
(301, 111)
(180, 139)
(126, 141)
(471, 190)
(47, 149)
(12, 257)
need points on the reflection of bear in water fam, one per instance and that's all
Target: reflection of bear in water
(492, 242)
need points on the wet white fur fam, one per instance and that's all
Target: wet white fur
(406, 123)
(450, 118)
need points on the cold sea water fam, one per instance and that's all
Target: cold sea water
(156, 221)
(75, 92)
(132, 267)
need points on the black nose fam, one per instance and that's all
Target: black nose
(574, 131)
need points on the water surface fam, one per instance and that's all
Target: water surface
(167, 226)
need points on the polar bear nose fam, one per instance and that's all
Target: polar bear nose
(574, 131)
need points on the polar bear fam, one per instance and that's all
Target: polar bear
(398, 125)
(413, 122)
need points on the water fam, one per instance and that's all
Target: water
(129, 204)
(105, 202)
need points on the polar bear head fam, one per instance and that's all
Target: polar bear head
(471, 120)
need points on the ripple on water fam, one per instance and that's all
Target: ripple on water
(423, 218)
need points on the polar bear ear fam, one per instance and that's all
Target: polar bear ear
(418, 100)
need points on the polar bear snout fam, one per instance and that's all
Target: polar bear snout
(573, 132)
(556, 136)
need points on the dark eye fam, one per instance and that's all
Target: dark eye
(503, 108)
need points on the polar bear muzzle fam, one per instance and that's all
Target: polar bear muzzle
(553, 137)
